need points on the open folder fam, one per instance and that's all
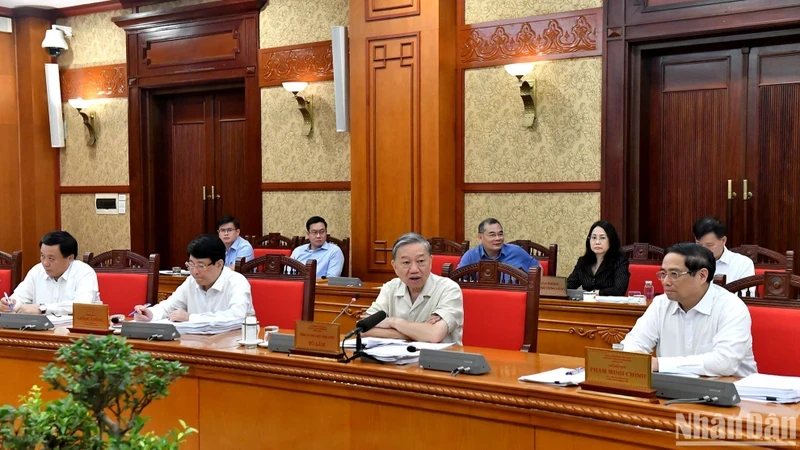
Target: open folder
(558, 377)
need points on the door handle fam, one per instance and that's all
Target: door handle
(204, 194)
(214, 196)
(747, 194)
(731, 193)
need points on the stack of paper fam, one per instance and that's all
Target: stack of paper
(372, 342)
(206, 326)
(771, 388)
(60, 320)
(559, 377)
(399, 352)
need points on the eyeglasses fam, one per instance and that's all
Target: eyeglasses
(598, 238)
(200, 266)
(226, 230)
(317, 232)
(661, 275)
(494, 235)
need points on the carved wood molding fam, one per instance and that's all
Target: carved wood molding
(95, 82)
(554, 36)
(609, 335)
(304, 62)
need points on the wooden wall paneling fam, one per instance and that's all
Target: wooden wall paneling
(303, 62)
(661, 11)
(6, 12)
(110, 81)
(37, 160)
(10, 232)
(390, 9)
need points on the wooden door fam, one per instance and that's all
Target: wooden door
(692, 144)
(773, 150)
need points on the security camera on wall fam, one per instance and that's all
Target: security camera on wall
(55, 40)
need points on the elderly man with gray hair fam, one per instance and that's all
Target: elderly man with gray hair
(419, 306)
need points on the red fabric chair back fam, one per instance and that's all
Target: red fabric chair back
(122, 291)
(641, 273)
(544, 263)
(775, 335)
(271, 251)
(277, 302)
(440, 260)
(494, 319)
(760, 287)
(5, 281)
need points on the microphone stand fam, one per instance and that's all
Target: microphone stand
(360, 353)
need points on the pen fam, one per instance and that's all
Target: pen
(134, 311)
(8, 300)
(575, 371)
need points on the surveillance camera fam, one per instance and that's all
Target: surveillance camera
(54, 41)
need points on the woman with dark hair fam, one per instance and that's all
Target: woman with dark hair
(603, 267)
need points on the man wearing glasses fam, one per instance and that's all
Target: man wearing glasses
(493, 246)
(213, 292)
(696, 326)
(235, 246)
(330, 259)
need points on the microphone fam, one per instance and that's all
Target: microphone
(367, 323)
(353, 300)
(412, 349)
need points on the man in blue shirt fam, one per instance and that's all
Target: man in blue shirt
(235, 245)
(330, 259)
(493, 246)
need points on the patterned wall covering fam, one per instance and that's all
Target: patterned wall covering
(487, 10)
(291, 22)
(287, 155)
(105, 164)
(563, 144)
(287, 212)
(95, 232)
(558, 218)
(95, 40)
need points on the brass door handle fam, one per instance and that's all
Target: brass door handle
(213, 193)
(747, 194)
(204, 193)
(731, 193)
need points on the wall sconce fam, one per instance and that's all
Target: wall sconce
(88, 119)
(526, 90)
(306, 106)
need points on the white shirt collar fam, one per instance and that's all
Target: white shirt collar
(703, 306)
(726, 256)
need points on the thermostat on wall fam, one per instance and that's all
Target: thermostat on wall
(105, 203)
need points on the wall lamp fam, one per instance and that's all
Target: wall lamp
(306, 106)
(526, 90)
(88, 119)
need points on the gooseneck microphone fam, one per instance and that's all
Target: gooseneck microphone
(367, 323)
(352, 300)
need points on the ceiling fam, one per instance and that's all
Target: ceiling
(46, 3)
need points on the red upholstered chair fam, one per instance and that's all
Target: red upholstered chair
(125, 279)
(343, 244)
(644, 261)
(774, 318)
(446, 251)
(547, 256)
(501, 305)
(272, 244)
(765, 260)
(282, 289)
(10, 271)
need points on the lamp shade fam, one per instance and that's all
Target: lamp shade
(77, 103)
(519, 69)
(294, 86)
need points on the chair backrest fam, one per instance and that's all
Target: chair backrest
(10, 271)
(547, 256)
(125, 279)
(272, 244)
(780, 289)
(765, 259)
(446, 251)
(282, 289)
(775, 334)
(644, 260)
(343, 244)
(501, 305)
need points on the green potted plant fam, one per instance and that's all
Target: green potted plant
(107, 387)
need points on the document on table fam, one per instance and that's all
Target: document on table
(372, 342)
(771, 388)
(59, 320)
(398, 353)
(557, 377)
(205, 327)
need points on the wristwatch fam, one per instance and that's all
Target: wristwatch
(42, 308)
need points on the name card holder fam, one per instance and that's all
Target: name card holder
(36, 322)
(90, 318)
(616, 373)
(317, 339)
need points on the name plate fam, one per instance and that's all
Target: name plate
(616, 372)
(317, 339)
(553, 287)
(90, 318)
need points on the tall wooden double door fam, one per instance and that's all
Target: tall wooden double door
(720, 136)
(199, 170)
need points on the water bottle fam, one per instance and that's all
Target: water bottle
(649, 291)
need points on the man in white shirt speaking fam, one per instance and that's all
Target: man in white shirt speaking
(696, 326)
(212, 292)
(711, 234)
(58, 281)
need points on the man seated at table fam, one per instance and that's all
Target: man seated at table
(235, 246)
(213, 292)
(493, 247)
(58, 281)
(330, 259)
(696, 326)
(711, 234)
(419, 305)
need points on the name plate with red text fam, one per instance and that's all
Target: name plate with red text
(317, 339)
(91, 318)
(617, 372)
(553, 287)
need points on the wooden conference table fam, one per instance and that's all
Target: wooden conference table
(240, 397)
(565, 327)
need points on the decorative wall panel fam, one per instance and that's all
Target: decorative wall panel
(94, 82)
(304, 62)
(490, 10)
(389, 9)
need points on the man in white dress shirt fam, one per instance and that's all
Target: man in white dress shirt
(58, 281)
(711, 234)
(696, 326)
(212, 292)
